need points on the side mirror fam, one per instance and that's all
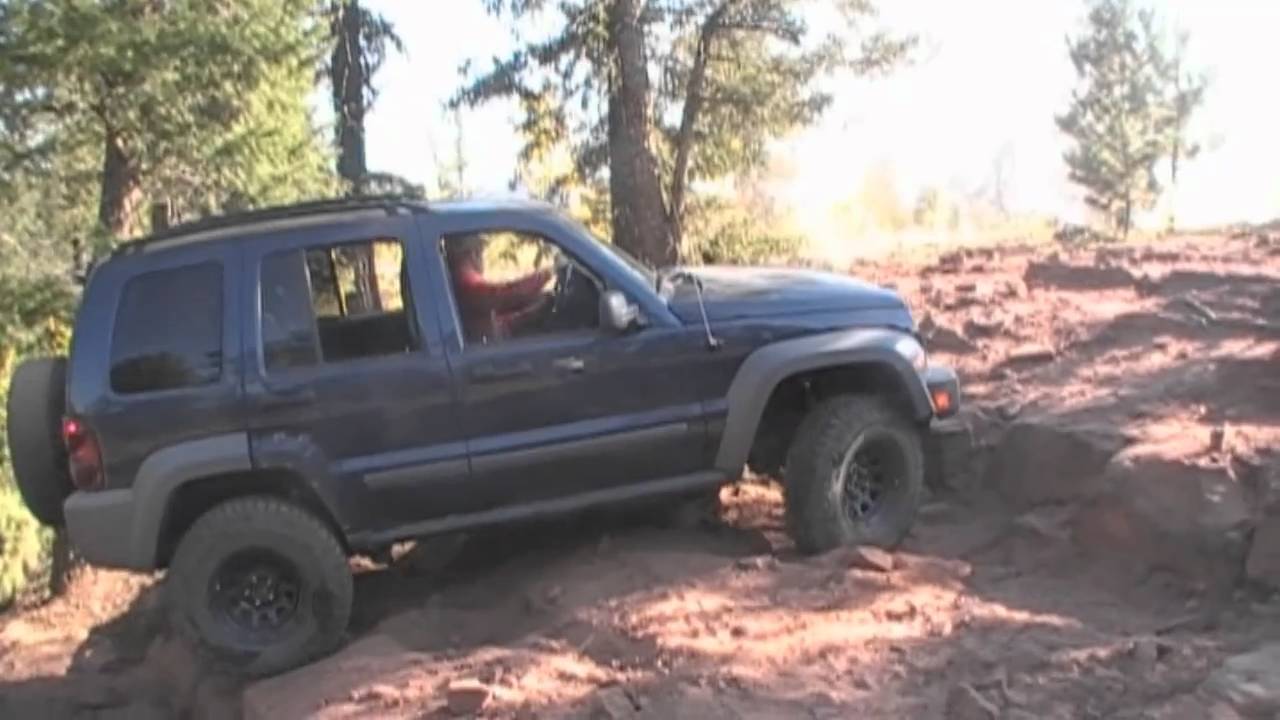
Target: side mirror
(617, 314)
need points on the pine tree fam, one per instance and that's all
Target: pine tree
(360, 41)
(1129, 112)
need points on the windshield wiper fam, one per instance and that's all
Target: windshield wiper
(713, 342)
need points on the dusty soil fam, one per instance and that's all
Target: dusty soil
(1093, 548)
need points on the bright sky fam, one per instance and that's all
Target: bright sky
(989, 77)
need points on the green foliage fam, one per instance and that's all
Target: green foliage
(741, 228)
(23, 544)
(206, 102)
(733, 74)
(725, 234)
(35, 319)
(1130, 111)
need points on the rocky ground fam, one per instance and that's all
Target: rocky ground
(1105, 543)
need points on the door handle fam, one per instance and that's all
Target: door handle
(569, 364)
(288, 397)
(501, 371)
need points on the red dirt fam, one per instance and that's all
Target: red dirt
(988, 608)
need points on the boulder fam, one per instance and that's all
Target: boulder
(1163, 510)
(1044, 460)
(1249, 683)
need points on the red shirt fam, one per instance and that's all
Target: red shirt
(493, 308)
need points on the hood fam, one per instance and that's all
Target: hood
(733, 293)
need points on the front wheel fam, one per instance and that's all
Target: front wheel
(854, 475)
(261, 585)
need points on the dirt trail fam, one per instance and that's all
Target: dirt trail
(1098, 549)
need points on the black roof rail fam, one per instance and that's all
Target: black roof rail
(389, 203)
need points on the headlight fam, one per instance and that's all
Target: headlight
(911, 349)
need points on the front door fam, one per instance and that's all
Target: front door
(346, 372)
(553, 405)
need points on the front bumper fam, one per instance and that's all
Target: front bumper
(101, 528)
(944, 391)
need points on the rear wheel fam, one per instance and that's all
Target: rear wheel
(37, 401)
(261, 585)
(854, 475)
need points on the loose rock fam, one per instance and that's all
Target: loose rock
(466, 696)
(870, 558)
(944, 339)
(758, 562)
(613, 703)
(965, 703)
(1030, 355)
(431, 555)
(860, 557)
(976, 328)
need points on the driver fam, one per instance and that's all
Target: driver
(492, 310)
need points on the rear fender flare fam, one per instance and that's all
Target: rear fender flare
(167, 469)
(764, 368)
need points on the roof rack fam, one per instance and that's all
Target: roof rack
(389, 203)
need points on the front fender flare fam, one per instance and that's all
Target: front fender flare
(763, 369)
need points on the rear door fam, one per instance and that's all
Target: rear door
(347, 380)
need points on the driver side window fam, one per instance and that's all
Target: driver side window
(509, 285)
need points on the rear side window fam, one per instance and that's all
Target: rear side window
(336, 303)
(288, 327)
(168, 330)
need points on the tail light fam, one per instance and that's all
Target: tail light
(84, 455)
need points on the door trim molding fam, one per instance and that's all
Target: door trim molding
(541, 508)
(602, 445)
(410, 475)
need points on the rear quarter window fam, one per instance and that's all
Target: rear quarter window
(168, 330)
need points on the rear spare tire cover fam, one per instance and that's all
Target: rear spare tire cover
(37, 400)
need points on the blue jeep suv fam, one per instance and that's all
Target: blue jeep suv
(251, 399)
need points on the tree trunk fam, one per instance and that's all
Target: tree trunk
(121, 190)
(61, 562)
(347, 78)
(688, 122)
(639, 214)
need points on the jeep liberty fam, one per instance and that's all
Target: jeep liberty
(249, 400)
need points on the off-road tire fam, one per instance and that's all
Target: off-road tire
(37, 401)
(816, 514)
(259, 522)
